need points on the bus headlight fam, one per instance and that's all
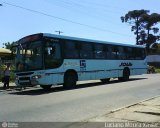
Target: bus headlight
(36, 77)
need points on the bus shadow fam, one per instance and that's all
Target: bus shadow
(40, 91)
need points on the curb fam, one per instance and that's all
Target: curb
(124, 107)
(11, 85)
(128, 106)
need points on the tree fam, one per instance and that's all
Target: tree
(149, 22)
(145, 27)
(9, 45)
(134, 19)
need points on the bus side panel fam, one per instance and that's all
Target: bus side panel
(49, 77)
(100, 69)
(139, 67)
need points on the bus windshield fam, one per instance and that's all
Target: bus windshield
(29, 56)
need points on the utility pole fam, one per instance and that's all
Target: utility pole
(59, 32)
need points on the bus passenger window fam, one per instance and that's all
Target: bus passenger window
(109, 52)
(99, 51)
(139, 53)
(86, 51)
(52, 55)
(70, 50)
(116, 52)
(121, 53)
(129, 53)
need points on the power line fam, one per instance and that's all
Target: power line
(74, 7)
(87, 5)
(63, 19)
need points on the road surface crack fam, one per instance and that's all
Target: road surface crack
(151, 113)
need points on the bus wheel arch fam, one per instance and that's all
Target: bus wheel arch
(70, 79)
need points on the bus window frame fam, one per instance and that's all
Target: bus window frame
(60, 41)
(92, 50)
(77, 47)
(106, 48)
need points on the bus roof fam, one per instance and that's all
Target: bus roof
(88, 40)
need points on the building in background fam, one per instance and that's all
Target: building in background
(6, 56)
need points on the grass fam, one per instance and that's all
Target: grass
(157, 70)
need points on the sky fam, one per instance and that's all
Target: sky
(91, 19)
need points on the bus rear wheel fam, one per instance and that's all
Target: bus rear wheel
(70, 80)
(126, 74)
(46, 87)
(105, 80)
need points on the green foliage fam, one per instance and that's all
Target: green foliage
(9, 45)
(143, 25)
(149, 21)
(158, 45)
(2, 68)
(134, 19)
(157, 70)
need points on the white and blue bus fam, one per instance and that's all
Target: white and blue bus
(47, 59)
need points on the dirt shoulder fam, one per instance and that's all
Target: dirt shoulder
(146, 111)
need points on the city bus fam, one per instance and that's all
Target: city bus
(47, 59)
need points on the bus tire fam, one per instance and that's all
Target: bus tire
(120, 78)
(46, 87)
(126, 74)
(70, 80)
(105, 80)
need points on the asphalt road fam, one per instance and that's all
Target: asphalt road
(88, 100)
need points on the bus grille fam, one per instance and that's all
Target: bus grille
(24, 78)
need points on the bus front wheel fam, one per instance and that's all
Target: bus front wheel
(70, 79)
